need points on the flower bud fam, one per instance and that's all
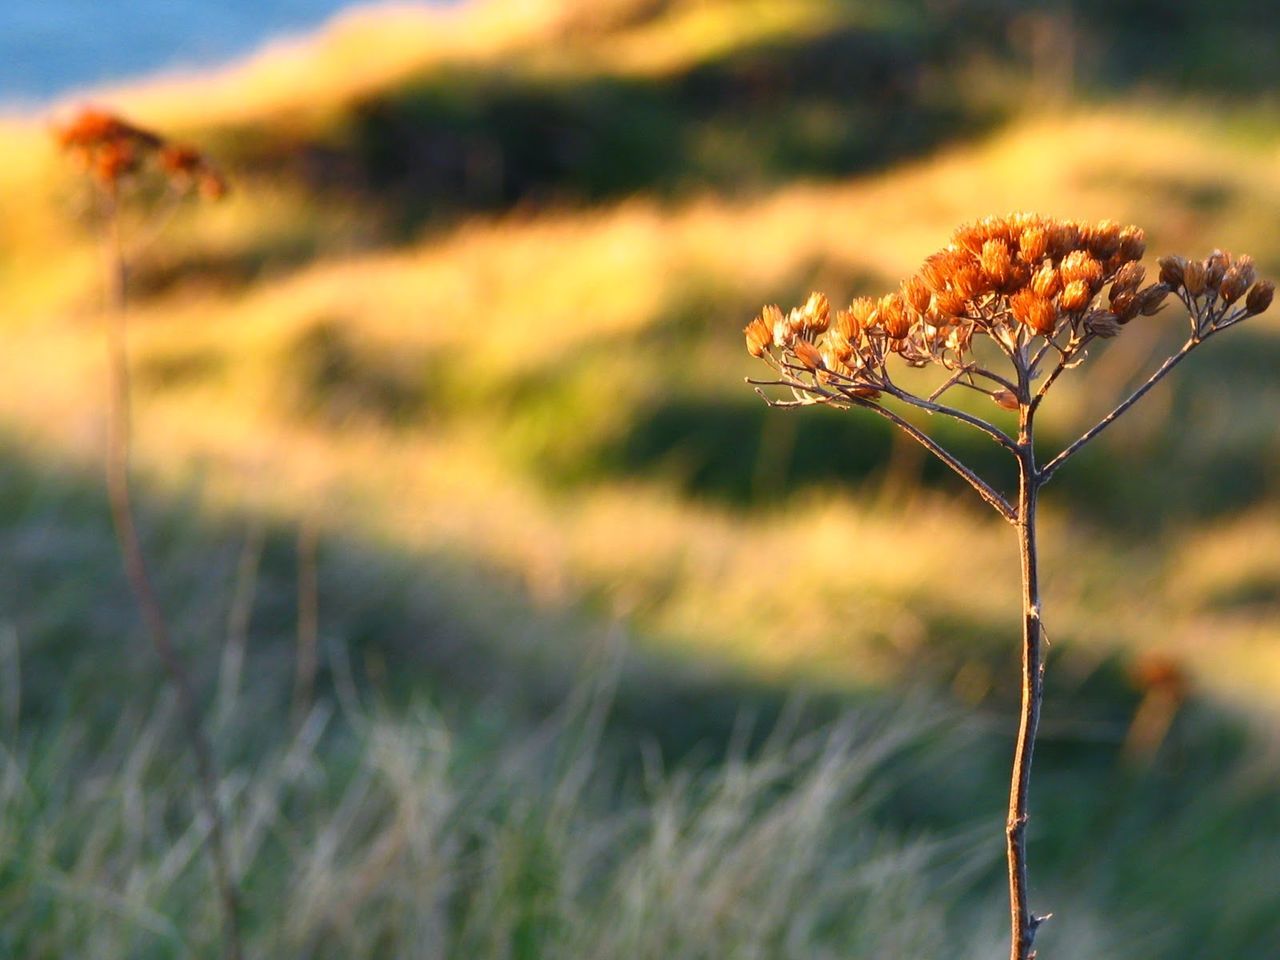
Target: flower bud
(1078, 265)
(1195, 278)
(1102, 323)
(1103, 239)
(893, 316)
(759, 337)
(1034, 312)
(816, 312)
(863, 311)
(845, 326)
(1153, 298)
(1128, 278)
(1259, 297)
(808, 354)
(916, 294)
(1075, 296)
(1172, 269)
(1006, 399)
(1033, 245)
(1133, 243)
(1215, 268)
(1046, 282)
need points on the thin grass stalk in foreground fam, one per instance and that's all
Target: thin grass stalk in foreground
(1005, 309)
(114, 150)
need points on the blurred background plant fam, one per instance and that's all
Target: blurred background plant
(473, 314)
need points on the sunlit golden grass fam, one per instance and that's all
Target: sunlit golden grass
(497, 298)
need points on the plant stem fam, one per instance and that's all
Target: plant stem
(119, 495)
(1024, 922)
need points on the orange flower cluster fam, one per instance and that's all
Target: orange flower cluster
(1024, 280)
(111, 149)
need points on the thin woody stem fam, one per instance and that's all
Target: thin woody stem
(984, 489)
(1024, 923)
(821, 395)
(994, 432)
(1052, 466)
(119, 494)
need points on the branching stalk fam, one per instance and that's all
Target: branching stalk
(120, 497)
(1052, 466)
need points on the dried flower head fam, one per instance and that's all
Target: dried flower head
(111, 149)
(1033, 286)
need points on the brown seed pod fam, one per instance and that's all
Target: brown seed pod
(1259, 297)
(1153, 298)
(1006, 399)
(1195, 278)
(1064, 236)
(997, 263)
(916, 294)
(1102, 323)
(1103, 239)
(1133, 243)
(1215, 268)
(1128, 278)
(816, 312)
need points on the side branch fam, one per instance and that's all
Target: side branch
(1052, 466)
(992, 431)
(819, 395)
(984, 489)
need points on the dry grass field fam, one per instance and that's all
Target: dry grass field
(472, 314)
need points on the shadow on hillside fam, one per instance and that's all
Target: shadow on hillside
(459, 139)
(413, 625)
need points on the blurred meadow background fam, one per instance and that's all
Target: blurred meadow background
(613, 660)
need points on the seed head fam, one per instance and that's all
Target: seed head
(1172, 269)
(1103, 239)
(759, 336)
(1078, 265)
(1102, 323)
(893, 316)
(1034, 312)
(1033, 245)
(808, 354)
(1153, 298)
(1133, 243)
(997, 263)
(1006, 399)
(1237, 279)
(1259, 297)
(1046, 282)
(1128, 278)
(1075, 296)
(816, 313)
(1215, 268)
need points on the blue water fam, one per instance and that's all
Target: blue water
(50, 48)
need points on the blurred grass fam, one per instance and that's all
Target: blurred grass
(473, 311)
